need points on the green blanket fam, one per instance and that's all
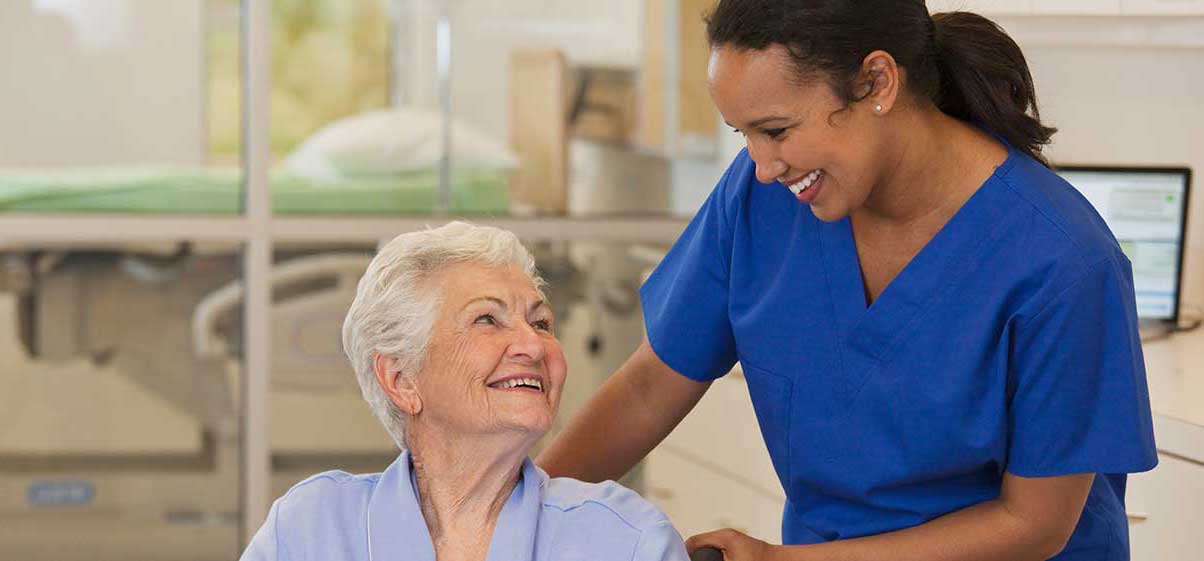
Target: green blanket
(219, 191)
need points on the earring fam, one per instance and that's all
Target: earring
(877, 108)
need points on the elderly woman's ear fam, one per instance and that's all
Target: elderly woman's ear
(400, 388)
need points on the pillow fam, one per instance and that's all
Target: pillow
(393, 141)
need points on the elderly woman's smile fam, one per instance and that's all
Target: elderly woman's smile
(518, 383)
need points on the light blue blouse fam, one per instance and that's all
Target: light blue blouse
(336, 516)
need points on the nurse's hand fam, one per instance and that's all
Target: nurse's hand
(736, 546)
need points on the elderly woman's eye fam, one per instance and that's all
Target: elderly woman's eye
(485, 319)
(543, 325)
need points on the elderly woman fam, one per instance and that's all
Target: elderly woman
(452, 342)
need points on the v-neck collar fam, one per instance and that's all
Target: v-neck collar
(868, 331)
(397, 530)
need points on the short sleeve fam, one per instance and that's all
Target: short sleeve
(661, 543)
(1080, 403)
(685, 300)
(263, 545)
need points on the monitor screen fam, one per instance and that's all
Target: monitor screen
(1147, 210)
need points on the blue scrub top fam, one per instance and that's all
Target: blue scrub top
(336, 516)
(1009, 343)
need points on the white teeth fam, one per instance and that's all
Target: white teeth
(805, 182)
(515, 382)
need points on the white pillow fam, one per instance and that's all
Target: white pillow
(392, 141)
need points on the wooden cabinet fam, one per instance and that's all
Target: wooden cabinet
(714, 472)
(700, 499)
(676, 116)
(1166, 511)
(1166, 505)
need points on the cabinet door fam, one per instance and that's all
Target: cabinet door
(1166, 511)
(984, 7)
(698, 498)
(722, 430)
(714, 472)
(1077, 7)
(1162, 7)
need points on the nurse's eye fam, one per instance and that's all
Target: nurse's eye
(775, 134)
(485, 319)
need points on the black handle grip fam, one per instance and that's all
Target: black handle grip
(706, 554)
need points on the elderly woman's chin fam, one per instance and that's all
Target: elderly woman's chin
(452, 342)
(526, 410)
(529, 422)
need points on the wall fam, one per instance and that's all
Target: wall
(485, 32)
(99, 82)
(1130, 106)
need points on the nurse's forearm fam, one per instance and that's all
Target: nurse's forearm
(1032, 520)
(633, 411)
(984, 532)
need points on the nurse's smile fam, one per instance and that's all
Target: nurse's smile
(806, 188)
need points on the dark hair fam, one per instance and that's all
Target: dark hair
(963, 63)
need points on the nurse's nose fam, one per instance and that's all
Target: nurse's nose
(769, 166)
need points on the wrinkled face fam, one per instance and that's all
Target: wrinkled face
(800, 135)
(493, 364)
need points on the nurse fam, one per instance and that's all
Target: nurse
(939, 335)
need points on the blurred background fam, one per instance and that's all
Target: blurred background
(189, 190)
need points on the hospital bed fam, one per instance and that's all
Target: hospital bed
(129, 305)
(155, 310)
(121, 362)
(122, 369)
(182, 190)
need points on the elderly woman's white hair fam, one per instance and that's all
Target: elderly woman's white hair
(396, 304)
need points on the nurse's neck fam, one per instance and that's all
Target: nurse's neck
(934, 164)
(463, 483)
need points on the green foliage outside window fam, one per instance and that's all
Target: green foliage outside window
(330, 59)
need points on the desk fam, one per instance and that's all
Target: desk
(1175, 373)
(1166, 505)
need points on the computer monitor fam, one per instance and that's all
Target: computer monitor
(1146, 208)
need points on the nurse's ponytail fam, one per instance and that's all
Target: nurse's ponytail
(963, 63)
(985, 79)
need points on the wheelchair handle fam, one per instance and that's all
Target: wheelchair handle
(706, 554)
